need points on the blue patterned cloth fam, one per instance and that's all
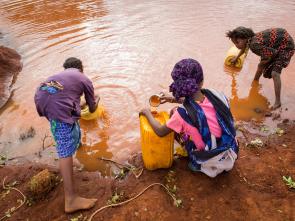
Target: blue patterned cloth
(224, 143)
(49, 89)
(67, 137)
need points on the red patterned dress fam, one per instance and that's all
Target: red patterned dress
(273, 44)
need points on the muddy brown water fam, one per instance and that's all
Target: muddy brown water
(129, 49)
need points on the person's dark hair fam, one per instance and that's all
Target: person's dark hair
(240, 32)
(73, 63)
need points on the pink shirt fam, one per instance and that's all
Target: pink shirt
(179, 125)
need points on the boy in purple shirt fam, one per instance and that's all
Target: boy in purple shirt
(58, 99)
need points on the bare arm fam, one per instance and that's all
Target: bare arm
(160, 130)
(170, 99)
(234, 60)
(92, 110)
(242, 51)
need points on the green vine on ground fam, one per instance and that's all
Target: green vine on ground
(9, 212)
(176, 201)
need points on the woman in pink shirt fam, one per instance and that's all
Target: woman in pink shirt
(204, 121)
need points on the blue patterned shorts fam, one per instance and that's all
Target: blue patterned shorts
(67, 137)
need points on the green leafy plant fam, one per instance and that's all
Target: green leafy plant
(170, 184)
(116, 198)
(77, 218)
(289, 182)
(122, 173)
(264, 129)
(3, 159)
(177, 202)
(256, 143)
(280, 132)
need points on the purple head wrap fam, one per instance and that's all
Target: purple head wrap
(187, 75)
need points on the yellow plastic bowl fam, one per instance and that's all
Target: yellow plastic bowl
(98, 113)
(233, 52)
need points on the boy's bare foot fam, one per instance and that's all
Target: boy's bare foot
(276, 106)
(78, 203)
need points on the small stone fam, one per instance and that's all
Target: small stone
(257, 110)
(268, 114)
(85, 179)
(136, 213)
(192, 199)
(276, 116)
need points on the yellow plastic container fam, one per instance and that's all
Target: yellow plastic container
(98, 113)
(231, 53)
(157, 152)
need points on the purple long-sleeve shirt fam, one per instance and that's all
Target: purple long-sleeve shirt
(65, 104)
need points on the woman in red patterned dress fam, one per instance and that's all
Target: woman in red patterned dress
(275, 46)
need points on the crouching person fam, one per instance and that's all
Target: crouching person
(203, 122)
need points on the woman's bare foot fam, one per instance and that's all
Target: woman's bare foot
(276, 106)
(78, 203)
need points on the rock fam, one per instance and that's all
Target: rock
(276, 116)
(285, 121)
(268, 114)
(257, 110)
(10, 66)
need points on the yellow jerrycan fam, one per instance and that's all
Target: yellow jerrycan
(157, 152)
(233, 52)
(98, 113)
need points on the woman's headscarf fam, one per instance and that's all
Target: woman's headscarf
(187, 75)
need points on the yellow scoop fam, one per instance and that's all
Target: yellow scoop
(98, 113)
(232, 53)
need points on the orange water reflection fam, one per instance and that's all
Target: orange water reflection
(95, 137)
(254, 106)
